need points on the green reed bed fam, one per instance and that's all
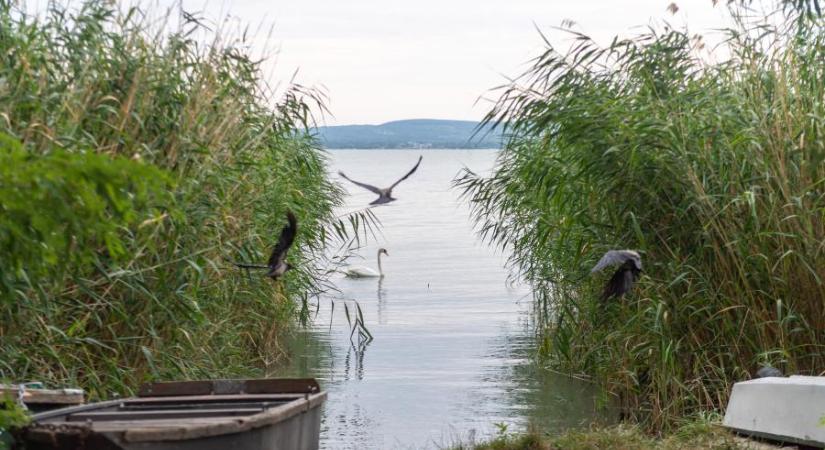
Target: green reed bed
(714, 171)
(138, 160)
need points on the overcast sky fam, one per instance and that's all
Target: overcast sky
(382, 60)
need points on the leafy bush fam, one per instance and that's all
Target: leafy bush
(115, 283)
(61, 209)
(11, 416)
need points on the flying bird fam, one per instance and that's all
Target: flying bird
(630, 266)
(385, 194)
(277, 265)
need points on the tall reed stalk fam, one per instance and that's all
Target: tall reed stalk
(116, 289)
(713, 171)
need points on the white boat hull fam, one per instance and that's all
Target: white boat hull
(782, 409)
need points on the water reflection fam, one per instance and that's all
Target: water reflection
(452, 340)
(359, 361)
(381, 293)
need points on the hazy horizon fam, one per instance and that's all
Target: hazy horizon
(403, 119)
(380, 61)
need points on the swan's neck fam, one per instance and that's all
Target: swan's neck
(380, 272)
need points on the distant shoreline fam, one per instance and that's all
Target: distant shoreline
(406, 134)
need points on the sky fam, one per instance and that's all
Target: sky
(383, 60)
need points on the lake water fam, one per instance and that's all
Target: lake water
(451, 356)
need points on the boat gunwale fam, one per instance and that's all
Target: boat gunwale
(179, 429)
(232, 424)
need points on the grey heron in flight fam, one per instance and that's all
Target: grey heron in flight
(384, 194)
(630, 266)
(277, 265)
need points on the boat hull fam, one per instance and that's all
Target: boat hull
(788, 410)
(247, 414)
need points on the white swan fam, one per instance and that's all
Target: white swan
(366, 272)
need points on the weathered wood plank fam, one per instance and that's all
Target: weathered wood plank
(211, 398)
(228, 387)
(165, 414)
(51, 396)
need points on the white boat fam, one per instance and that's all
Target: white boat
(782, 409)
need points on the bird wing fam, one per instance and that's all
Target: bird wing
(366, 186)
(408, 173)
(620, 283)
(285, 241)
(615, 257)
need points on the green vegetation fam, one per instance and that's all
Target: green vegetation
(12, 416)
(59, 208)
(714, 171)
(528, 441)
(698, 435)
(137, 160)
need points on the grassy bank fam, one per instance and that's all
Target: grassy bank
(696, 435)
(140, 154)
(714, 171)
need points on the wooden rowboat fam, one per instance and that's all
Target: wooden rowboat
(270, 414)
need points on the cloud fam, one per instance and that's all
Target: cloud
(386, 60)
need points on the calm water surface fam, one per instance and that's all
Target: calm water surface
(450, 356)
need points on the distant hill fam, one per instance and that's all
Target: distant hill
(416, 133)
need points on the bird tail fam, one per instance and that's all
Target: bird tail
(251, 266)
(618, 285)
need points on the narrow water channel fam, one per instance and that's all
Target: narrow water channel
(450, 357)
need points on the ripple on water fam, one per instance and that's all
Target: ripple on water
(452, 343)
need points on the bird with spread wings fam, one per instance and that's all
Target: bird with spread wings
(630, 266)
(384, 194)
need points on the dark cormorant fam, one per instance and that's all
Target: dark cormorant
(277, 265)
